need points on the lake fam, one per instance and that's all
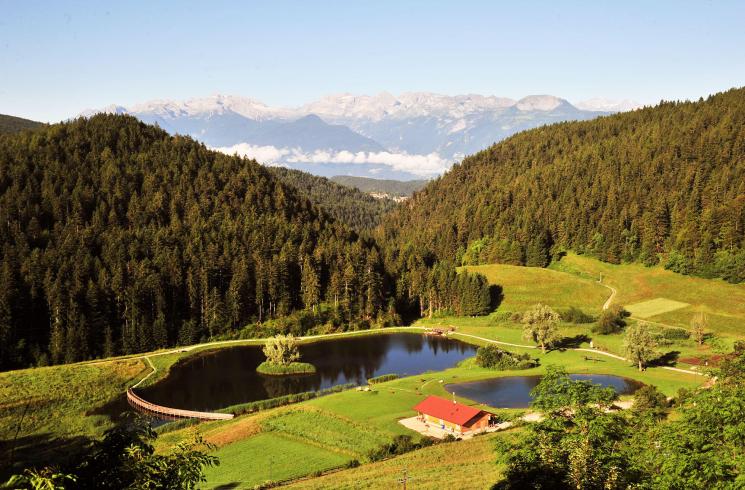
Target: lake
(219, 378)
(514, 391)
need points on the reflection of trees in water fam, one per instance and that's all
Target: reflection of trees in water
(228, 376)
(284, 385)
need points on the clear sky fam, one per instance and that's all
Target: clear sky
(58, 58)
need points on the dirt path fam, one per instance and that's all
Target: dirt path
(613, 293)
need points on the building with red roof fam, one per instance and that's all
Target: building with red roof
(449, 414)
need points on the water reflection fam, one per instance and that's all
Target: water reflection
(228, 376)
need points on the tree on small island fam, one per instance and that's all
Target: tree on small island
(282, 356)
(541, 325)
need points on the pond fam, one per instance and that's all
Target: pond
(514, 391)
(219, 378)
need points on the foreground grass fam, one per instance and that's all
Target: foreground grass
(724, 303)
(273, 457)
(351, 423)
(47, 411)
(464, 465)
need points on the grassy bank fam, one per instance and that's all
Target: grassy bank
(272, 369)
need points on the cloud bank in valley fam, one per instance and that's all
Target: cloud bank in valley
(422, 165)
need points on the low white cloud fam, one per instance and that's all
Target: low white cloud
(423, 165)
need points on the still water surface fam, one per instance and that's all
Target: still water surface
(514, 391)
(228, 376)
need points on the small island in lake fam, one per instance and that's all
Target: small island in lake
(282, 358)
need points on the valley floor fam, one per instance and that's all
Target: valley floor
(58, 405)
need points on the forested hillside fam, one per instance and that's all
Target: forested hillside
(13, 124)
(118, 238)
(396, 188)
(662, 183)
(346, 204)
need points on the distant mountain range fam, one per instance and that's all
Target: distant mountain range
(414, 135)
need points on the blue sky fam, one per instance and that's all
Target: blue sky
(59, 58)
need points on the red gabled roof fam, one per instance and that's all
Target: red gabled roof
(448, 410)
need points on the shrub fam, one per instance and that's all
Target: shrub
(382, 379)
(649, 400)
(575, 315)
(676, 334)
(611, 321)
(492, 357)
(401, 444)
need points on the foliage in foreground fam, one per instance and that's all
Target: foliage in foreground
(125, 459)
(581, 445)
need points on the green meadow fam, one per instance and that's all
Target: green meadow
(326, 434)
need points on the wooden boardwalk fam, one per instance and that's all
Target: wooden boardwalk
(174, 412)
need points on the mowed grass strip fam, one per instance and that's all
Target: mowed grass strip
(523, 287)
(268, 457)
(328, 430)
(654, 307)
(464, 465)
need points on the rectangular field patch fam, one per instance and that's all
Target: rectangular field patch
(653, 307)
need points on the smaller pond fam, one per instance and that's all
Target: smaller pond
(514, 391)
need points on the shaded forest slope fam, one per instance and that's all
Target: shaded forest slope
(117, 238)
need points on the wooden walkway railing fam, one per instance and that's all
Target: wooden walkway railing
(174, 412)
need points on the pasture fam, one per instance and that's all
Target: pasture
(723, 303)
(522, 287)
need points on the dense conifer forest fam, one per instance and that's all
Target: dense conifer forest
(665, 183)
(345, 204)
(118, 238)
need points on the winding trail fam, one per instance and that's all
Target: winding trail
(578, 349)
(613, 293)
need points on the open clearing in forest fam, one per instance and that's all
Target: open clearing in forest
(523, 287)
(653, 307)
(723, 303)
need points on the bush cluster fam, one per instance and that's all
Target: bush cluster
(575, 315)
(400, 445)
(382, 379)
(492, 357)
(611, 321)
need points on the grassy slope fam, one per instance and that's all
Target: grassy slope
(464, 465)
(332, 430)
(351, 423)
(526, 286)
(724, 303)
(47, 409)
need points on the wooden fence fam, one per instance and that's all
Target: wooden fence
(174, 412)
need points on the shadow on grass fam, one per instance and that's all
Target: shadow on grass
(571, 342)
(666, 359)
(496, 296)
(227, 486)
(38, 450)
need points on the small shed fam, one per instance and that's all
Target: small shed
(449, 414)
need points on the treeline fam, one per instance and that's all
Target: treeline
(13, 124)
(118, 238)
(665, 183)
(345, 204)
